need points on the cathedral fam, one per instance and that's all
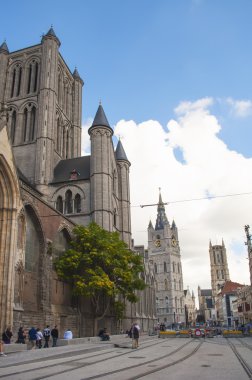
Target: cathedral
(47, 187)
(164, 255)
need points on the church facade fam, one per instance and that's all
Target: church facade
(46, 187)
(164, 255)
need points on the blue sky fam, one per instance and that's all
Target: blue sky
(175, 81)
(143, 57)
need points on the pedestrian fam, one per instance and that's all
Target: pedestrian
(21, 336)
(46, 334)
(68, 334)
(6, 336)
(55, 335)
(33, 337)
(135, 335)
(2, 348)
(39, 337)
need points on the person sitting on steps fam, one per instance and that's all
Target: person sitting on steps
(103, 334)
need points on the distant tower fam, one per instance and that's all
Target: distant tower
(164, 255)
(219, 267)
(249, 245)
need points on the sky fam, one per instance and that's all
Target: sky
(175, 82)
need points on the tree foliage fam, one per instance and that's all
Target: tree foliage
(99, 265)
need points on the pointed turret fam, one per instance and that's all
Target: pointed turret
(150, 226)
(51, 35)
(100, 119)
(173, 224)
(120, 152)
(76, 76)
(4, 48)
(161, 215)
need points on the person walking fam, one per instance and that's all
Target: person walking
(54, 335)
(7, 335)
(39, 338)
(2, 348)
(46, 334)
(32, 337)
(21, 336)
(135, 335)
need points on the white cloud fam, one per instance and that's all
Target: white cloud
(240, 108)
(209, 167)
(85, 139)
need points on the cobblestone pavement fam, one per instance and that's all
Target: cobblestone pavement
(171, 358)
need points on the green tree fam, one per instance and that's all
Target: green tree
(101, 267)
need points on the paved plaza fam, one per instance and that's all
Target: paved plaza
(171, 358)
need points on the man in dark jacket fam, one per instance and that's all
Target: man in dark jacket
(55, 335)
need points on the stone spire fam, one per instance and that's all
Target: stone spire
(4, 48)
(161, 215)
(120, 152)
(100, 119)
(76, 76)
(150, 225)
(51, 35)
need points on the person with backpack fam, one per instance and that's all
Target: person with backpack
(46, 335)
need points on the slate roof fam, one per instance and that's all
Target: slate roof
(63, 169)
(4, 48)
(120, 152)
(100, 119)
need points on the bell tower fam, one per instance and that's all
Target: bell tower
(219, 267)
(164, 255)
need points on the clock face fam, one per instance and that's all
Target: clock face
(158, 243)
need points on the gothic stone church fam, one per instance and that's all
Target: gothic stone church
(46, 187)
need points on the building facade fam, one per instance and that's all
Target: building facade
(164, 255)
(190, 309)
(46, 187)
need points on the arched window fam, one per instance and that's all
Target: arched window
(61, 242)
(32, 124)
(32, 247)
(155, 267)
(13, 82)
(173, 267)
(165, 267)
(29, 78)
(69, 202)
(174, 284)
(178, 268)
(77, 203)
(114, 181)
(166, 284)
(13, 126)
(16, 80)
(19, 80)
(25, 122)
(35, 83)
(59, 204)
(167, 304)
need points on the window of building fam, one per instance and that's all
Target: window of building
(59, 204)
(68, 202)
(165, 267)
(13, 126)
(77, 203)
(32, 246)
